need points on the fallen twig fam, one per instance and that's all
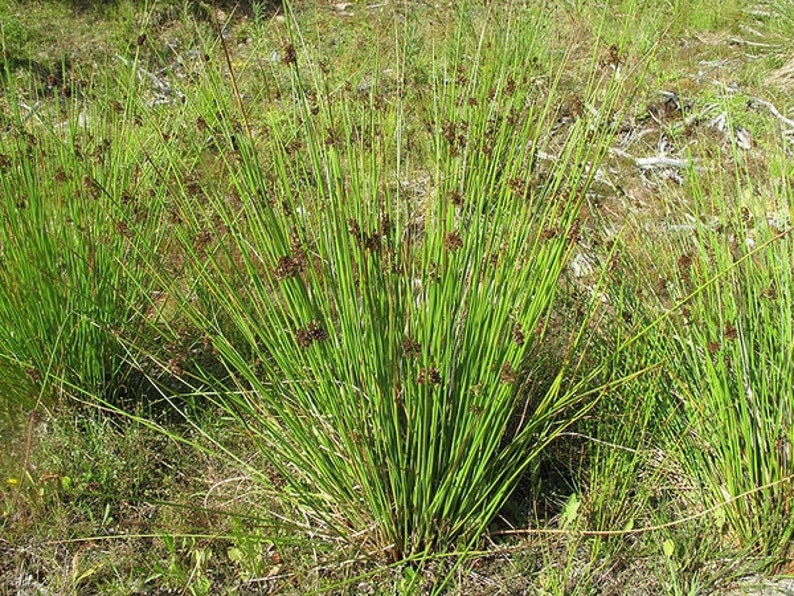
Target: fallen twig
(738, 41)
(163, 89)
(647, 163)
(775, 112)
(32, 111)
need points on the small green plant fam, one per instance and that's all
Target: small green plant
(184, 567)
(727, 353)
(733, 377)
(71, 285)
(14, 37)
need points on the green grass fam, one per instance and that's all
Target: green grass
(727, 351)
(377, 344)
(374, 299)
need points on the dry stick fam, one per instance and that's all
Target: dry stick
(738, 41)
(775, 112)
(664, 526)
(599, 441)
(652, 162)
(33, 418)
(159, 84)
(233, 78)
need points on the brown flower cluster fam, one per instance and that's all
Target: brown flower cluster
(612, 58)
(508, 374)
(552, 232)
(370, 242)
(575, 232)
(456, 198)
(730, 333)
(288, 266)
(312, 333)
(455, 134)
(290, 55)
(453, 241)
(518, 186)
(770, 293)
(203, 239)
(291, 265)
(410, 347)
(429, 376)
(518, 335)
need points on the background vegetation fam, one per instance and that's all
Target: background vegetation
(395, 297)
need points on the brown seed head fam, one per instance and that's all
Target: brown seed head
(289, 266)
(355, 230)
(429, 376)
(410, 347)
(575, 231)
(203, 239)
(290, 55)
(453, 242)
(175, 367)
(385, 225)
(508, 374)
(122, 227)
(310, 334)
(33, 374)
(614, 261)
(449, 132)
(517, 185)
(549, 233)
(613, 57)
(372, 242)
(518, 335)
